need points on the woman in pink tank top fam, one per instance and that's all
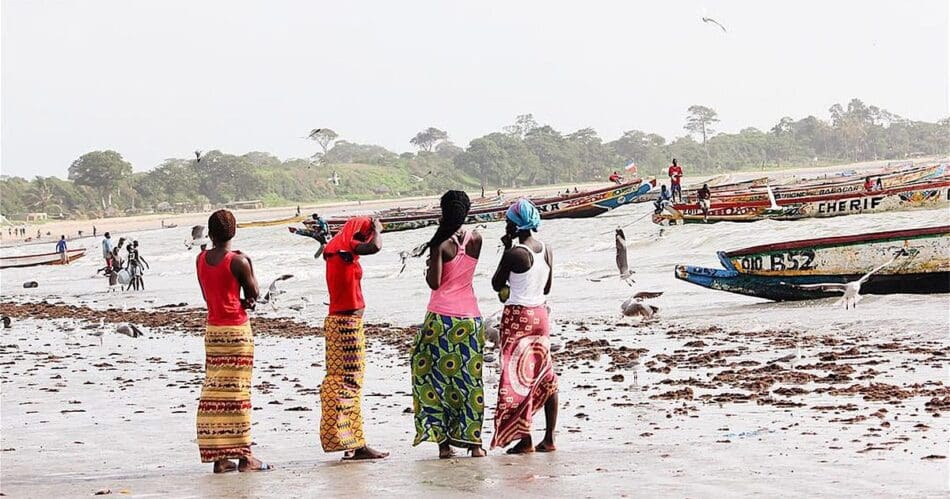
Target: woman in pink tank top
(447, 391)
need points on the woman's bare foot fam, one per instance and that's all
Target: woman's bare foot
(445, 450)
(252, 464)
(477, 451)
(224, 466)
(545, 446)
(364, 453)
(522, 447)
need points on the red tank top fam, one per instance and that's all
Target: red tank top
(222, 291)
(343, 283)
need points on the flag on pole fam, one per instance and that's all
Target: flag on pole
(632, 167)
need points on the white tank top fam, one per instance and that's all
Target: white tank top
(527, 289)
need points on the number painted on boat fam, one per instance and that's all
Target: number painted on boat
(790, 260)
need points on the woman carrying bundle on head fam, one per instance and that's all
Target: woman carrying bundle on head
(447, 392)
(528, 381)
(224, 409)
(341, 419)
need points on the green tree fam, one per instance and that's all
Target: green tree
(428, 138)
(323, 137)
(101, 171)
(524, 123)
(699, 121)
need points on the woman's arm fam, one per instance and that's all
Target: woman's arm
(375, 242)
(243, 271)
(434, 269)
(549, 256)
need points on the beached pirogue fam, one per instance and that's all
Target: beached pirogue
(918, 187)
(775, 271)
(581, 205)
(33, 260)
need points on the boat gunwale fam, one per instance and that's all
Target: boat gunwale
(841, 240)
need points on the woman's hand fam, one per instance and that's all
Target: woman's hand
(377, 226)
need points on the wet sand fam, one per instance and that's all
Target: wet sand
(646, 409)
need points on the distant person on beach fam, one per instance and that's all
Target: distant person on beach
(224, 408)
(341, 419)
(80, 233)
(868, 184)
(528, 381)
(616, 178)
(704, 198)
(93, 231)
(61, 249)
(676, 174)
(106, 248)
(447, 391)
(136, 266)
(662, 201)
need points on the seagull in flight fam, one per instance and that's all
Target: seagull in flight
(198, 237)
(851, 291)
(713, 21)
(197, 156)
(273, 291)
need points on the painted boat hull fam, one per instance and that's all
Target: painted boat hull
(925, 195)
(773, 271)
(581, 205)
(40, 259)
(783, 288)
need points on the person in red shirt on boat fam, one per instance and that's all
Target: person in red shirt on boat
(675, 173)
(616, 178)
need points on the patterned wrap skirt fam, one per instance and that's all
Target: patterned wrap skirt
(527, 371)
(341, 420)
(447, 393)
(224, 409)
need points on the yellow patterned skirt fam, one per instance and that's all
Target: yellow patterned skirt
(224, 409)
(341, 422)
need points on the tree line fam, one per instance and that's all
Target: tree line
(524, 153)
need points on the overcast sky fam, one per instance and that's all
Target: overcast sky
(162, 78)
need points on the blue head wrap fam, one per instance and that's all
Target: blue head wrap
(524, 214)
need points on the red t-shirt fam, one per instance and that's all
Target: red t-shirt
(344, 283)
(675, 173)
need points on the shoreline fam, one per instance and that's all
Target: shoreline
(152, 222)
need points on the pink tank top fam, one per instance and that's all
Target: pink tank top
(456, 296)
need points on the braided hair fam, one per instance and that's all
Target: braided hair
(455, 206)
(221, 226)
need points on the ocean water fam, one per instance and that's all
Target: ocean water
(583, 248)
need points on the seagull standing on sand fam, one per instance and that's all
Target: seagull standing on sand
(129, 330)
(851, 290)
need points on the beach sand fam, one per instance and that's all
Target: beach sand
(723, 395)
(646, 410)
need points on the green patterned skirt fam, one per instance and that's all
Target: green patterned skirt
(447, 392)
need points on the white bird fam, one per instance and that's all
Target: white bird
(416, 178)
(634, 306)
(129, 330)
(774, 203)
(273, 291)
(851, 291)
(198, 237)
(625, 272)
(490, 327)
(99, 332)
(403, 258)
(713, 21)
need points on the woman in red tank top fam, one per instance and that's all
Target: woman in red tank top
(224, 408)
(341, 418)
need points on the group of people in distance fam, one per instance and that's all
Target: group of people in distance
(135, 264)
(447, 353)
(675, 192)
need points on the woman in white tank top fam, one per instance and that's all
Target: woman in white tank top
(528, 381)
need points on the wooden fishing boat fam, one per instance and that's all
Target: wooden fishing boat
(34, 260)
(921, 195)
(775, 271)
(581, 205)
(717, 187)
(271, 223)
(826, 186)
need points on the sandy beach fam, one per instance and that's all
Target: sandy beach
(721, 395)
